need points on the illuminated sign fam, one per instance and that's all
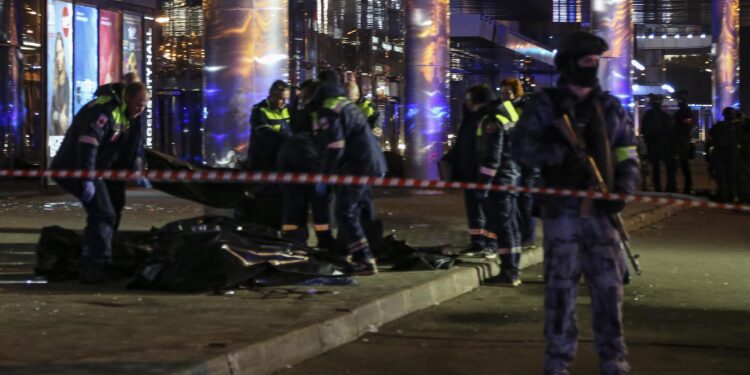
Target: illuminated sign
(148, 79)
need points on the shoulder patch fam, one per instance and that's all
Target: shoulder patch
(101, 121)
(323, 123)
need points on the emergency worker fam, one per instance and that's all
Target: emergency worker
(299, 154)
(496, 167)
(300, 120)
(347, 147)
(464, 162)
(511, 89)
(133, 149)
(270, 127)
(658, 133)
(370, 109)
(684, 127)
(106, 134)
(269, 123)
(724, 147)
(579, 235)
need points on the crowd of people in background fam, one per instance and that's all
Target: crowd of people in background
(728, 156)
(670, 145)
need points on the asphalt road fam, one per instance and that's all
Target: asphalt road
(688, 314)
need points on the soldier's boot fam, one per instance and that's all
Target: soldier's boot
(614, 367)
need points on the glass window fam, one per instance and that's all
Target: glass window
(31, 47)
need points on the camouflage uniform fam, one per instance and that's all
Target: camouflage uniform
(576, 245)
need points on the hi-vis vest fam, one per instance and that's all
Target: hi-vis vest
(276, 118)
(335, 104)
(507, 122)
(367, 107)
(119, 114)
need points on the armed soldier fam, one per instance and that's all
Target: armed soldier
(572, 132)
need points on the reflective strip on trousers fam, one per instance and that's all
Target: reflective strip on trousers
(506, 251)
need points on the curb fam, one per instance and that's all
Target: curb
(274, 354)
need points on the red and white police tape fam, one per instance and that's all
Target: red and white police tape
(306, 178)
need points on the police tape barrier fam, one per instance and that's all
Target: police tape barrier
(306, 178)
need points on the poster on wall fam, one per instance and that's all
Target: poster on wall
(132, 44)
(109, 47)
(85, 64)
(59, 72)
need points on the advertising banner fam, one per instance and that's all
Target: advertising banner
(109, 47)
(132, 44)
(59, 71)
(85, 64)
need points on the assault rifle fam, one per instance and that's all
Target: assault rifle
(566, 127)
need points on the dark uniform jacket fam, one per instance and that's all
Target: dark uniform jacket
(538, 142)
(724, 140)
(658, 133)
(345, 138)
(684, 126)
(493, 145)
(101, 136)
(269, 129)
(463, 156)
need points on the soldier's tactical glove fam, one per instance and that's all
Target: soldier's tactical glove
(89, 190)
(610, 207)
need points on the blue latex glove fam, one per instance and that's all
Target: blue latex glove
(321, 189)
(88, 191)
(143, 182)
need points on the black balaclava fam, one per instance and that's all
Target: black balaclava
(574, 46)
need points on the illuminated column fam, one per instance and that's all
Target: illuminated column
(726, 23)
(613, 21)
(427, 111)
(246, 50)
(11, 94)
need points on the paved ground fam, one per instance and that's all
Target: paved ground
(688, 314)
(148, 332)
